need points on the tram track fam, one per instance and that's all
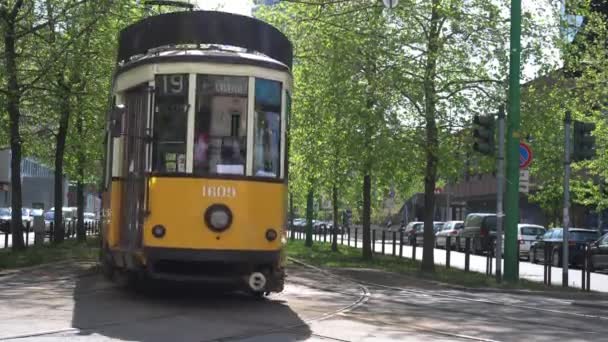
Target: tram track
(454, 297)
(535, 324)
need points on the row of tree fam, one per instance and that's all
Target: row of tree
(383, 98)
(57, 60)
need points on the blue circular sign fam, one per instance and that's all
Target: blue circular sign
(525, 155)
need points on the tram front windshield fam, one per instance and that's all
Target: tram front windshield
(220, 139)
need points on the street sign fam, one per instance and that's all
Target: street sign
(524, 181)
(390, 4)
(525, 155)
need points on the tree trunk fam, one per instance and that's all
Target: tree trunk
(367, 205)
(309, 217)
(432, 142)
(13, 100)
(59, 153)
(291, 215)
(334, 242)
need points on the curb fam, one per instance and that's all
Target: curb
(16, 271)
(553, 294)
(591, 305)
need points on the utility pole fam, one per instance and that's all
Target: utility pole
(500, 169)
(566, 219)
(513, 136)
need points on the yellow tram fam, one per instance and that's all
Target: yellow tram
(196, 151)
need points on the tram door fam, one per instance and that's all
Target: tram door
(134, 166)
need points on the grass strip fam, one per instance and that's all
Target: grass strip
(36, 255)
(320, 254)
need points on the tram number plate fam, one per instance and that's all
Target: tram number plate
(219, 191)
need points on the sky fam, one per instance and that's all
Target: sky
(242, 7)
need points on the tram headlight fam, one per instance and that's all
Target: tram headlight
(271, 234)
(218, 217)
(158, 231)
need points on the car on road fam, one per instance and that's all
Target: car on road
(89, 218)
(5, 220)
(599, 253)
(527, 234)
(27, 217)
(410, 230)
(481, 229)
(553, 240)
(419, 233)
(451, 229)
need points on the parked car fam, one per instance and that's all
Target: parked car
(419, 234)
(5, 220)
(410, 230)
(599, 253)
(26, 216)
(527, 234)
(451, 229)
(299, 224)
(578, 237)
(481, 229)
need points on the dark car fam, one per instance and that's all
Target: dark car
(553, 239)
(599, 254)
(419, 233)
(5, 220)
(481, 229)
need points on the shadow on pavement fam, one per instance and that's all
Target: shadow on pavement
(173, 312)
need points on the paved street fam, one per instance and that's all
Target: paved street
(527, 270)
(71, 302)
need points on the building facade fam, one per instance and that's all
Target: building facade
(37, 183)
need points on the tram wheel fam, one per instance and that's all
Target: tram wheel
(107, 264)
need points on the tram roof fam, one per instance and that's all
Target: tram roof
(204, 54)
(203, 27)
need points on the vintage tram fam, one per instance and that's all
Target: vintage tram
(196, 152)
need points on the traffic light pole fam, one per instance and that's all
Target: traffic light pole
(513, 136)
(565, 257)
(500, 171)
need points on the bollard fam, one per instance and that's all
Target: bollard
(348, 237)
(373, 241)
(549, 263)
(545, 270)
(52, 231)
(383, 240)
(458, 244)
(356, 229)
(394, 242)
(467, 253)
(489, 259)
(6, 240)
(584, 268)
(324, 234)
(401, 243)
(588, 267)
(448, 249)
(342, 237)
(414, 249)
(27, 233)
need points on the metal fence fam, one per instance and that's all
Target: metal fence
(91, 228)
(396, 240)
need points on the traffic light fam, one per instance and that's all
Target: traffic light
(483, 132)
(583, 143)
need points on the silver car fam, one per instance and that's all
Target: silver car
(451, 229)
(526, 235)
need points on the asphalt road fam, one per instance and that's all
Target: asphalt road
(69, 302)
(527, 270)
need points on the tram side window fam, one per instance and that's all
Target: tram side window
(170, 123)
(267, 129)
(220, 135)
